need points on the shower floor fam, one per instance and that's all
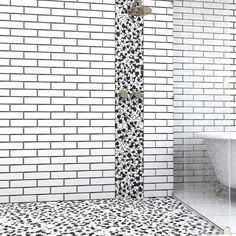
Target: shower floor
(220, 210)
(153, 216)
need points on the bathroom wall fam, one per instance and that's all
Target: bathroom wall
(158, 99)
(57, 100)
(146, 65)
(57, 88)
(202, 58)
(129, 108)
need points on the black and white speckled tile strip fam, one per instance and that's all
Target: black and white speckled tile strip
(129, 111)
(133, 217)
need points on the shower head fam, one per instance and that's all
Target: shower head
(138, 9)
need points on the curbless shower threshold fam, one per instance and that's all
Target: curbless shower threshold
(166, 216)
(204, 217)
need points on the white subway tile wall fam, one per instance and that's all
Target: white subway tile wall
(203, 46)
(232, 67)
(158, 99)
(57, 100)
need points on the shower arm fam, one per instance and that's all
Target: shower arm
(136, 3)
(138, 9)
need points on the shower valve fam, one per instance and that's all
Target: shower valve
(138, 94)
(124, 94)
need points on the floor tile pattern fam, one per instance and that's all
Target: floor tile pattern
(154, 216)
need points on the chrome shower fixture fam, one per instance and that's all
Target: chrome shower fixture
(138, 9)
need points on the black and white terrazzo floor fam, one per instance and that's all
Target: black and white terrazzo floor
(153, 216)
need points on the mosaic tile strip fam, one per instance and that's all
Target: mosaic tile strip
(153, 216)
(129, 110)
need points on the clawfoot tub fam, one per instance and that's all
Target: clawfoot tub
(221, 149)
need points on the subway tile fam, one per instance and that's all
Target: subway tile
(62, 96)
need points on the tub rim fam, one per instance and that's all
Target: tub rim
(216, 135)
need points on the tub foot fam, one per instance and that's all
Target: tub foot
(220, 190)
(227, 231)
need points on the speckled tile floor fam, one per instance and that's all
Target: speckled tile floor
(153, 216)
(221, 210)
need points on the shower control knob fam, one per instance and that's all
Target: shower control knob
(124, 94)
(138, 94)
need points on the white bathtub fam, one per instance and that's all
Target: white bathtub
(221, 149)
